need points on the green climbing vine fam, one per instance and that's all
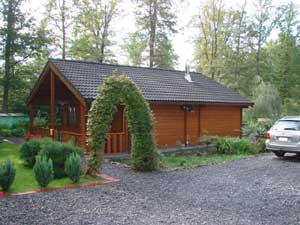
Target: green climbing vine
(116, 90)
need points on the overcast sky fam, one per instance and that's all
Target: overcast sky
(182, 40)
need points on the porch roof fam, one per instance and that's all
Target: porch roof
(155, 84)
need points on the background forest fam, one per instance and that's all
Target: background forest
(256, 53)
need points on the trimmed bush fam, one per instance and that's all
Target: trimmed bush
(73, 167)
(55, 151)
(58, 152)
(7, 175)
(43, 171)
(29, 150)
(116, 90)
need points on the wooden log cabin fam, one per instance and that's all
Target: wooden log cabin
(186, 105)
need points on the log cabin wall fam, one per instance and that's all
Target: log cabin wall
(221, 120)
(170, 127)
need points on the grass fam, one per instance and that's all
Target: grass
(25, 181)
(192, 159)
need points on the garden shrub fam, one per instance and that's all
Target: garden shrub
(18, 132)
(7, 175)
(5, 132)
(73, 167)
(207, 140)
(229, 145)
(260, 146)
(43, 171)
(116, 90)
(41, 122)
(58, 152)
(29, 150)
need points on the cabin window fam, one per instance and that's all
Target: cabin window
(72, 116)
(64, 117)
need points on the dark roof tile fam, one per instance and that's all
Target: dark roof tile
(155, 84)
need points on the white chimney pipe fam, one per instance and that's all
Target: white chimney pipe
(187, 75)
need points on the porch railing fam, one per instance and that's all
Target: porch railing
(115, 143)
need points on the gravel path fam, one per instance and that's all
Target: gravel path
(262, 190)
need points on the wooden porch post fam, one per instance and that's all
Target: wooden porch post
(31, 116)
(52, 101)
(82, 124)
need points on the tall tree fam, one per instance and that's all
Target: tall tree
(156, 21)
(20, 40)
(238, 64)
(265, 19)
(135, 46)
(59, 19)
(93, 29)
(284, 69)
(215, 26)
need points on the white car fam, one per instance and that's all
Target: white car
(284, 136)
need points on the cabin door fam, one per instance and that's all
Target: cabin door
(117, 139)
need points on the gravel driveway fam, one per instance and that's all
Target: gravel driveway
(262, 190)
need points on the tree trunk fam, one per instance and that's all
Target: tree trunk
(259, 48)
(63, 25)
(8, 56)
(153, 23)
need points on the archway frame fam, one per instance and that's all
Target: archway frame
(121, 90)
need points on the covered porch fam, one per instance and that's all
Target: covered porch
(57, 110)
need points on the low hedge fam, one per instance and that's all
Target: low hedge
(17, 130)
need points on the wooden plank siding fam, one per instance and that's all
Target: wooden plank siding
(220, 120)
(169, 125)
(201, 120)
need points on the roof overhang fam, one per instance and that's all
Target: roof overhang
(51, 67)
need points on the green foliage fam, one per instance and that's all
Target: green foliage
(73, 167)
(20, 40)
(93, 30)
(58, 152)
(43, 171)
(267, 102)
(7, 175)
(228, 145)
(156, 27)
(29, 150)
(116, 90)
(18, 132)
(40, 122)
(5, 132)
(261, 146)
(135, 46)
(207, 140)
(17, 129)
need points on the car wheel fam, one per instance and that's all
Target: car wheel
(279, 154)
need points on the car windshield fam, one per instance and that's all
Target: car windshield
(287, 125)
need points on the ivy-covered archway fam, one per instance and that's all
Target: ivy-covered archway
(116, 90)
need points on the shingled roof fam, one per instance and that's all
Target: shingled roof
(155, 84)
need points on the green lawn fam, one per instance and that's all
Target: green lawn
(24, 180)
(191, 159)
